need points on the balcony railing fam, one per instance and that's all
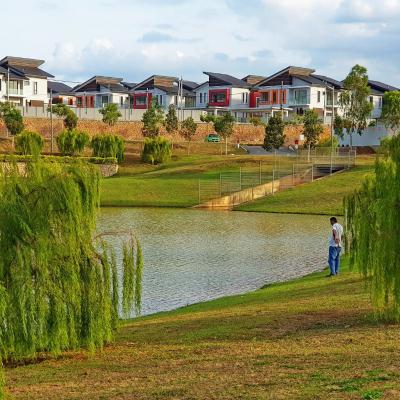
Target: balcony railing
(299, 101)
(13, 91)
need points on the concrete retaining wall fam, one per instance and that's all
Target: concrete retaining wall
(244, 196)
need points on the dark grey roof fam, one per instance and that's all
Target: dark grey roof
(381, 87)
(333, 82)
(13, 74)
(174, 90)
(58, 87)
(189, 84)
(228, 79)
(33, 71)
(115, 88)
(129, 85)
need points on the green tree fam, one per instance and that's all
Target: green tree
(373, 231)
(188, 130)
(153, 120)
(354, 101)
(312, 129)
(224, 125)
(58, 286)
(391, 110)
(29, 143)
(63, 111)
(171, 120)
(72, 142)
(110, 113)
(12, 118)
(274, 133)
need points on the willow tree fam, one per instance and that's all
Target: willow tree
(373, 231)
(57, 290)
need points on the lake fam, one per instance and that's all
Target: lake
(192, 256)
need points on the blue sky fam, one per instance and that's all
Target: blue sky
(133, 39)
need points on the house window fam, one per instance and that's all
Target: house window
(371, 99)
(104, 100)
(380, 102)
(247, 98)
(243, 97)
(319, 97)
(274, 97)
(35, 90)
(141, 100)
(283, 96)
(79, 101)
(219, 97)
(205, 97)
(265, 97)
(121, 101)
(300, 96)
(201, 97)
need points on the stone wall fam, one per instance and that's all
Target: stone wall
(106, 170)
(244, 133)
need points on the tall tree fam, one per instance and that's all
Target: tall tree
(354, 101)
(391, 110)
(188, 130)
(110, 113)
(312, 129)
(153, 120)
(171, 120)
(224, 126)
(274, 133)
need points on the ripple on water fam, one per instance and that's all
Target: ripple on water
(192, 256)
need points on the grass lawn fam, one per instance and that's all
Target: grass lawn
(312, 338)
(174, 184)
(324, 196)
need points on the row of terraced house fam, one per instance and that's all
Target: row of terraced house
(290, 91)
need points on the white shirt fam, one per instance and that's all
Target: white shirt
(339, 233)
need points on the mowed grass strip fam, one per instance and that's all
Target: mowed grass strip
(324, 196)
(312, 338)
(176, 183)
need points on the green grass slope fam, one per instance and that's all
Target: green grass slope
(312, 338)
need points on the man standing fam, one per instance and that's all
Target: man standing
(335, 247)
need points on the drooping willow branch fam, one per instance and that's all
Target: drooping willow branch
(57, 291)
(373, 231)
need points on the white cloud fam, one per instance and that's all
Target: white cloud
(137, 38)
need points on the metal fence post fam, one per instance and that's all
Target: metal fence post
(240, 178)
(312, 172)
(220, 184)
(260, 174)
(199, 193)
(293, 174)
(273, 182)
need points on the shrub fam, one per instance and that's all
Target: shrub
(156, 150)
(110, 114)
(72, 142)
(108, 146)
(12, 118)
(326, 142)
(29, 143)
(70, 118)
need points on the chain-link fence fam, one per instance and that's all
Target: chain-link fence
(280, 173)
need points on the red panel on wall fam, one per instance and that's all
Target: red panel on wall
(253, 98)
(224, 94)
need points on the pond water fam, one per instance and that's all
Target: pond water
(192, 256)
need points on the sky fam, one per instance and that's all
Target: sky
(133, 39)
